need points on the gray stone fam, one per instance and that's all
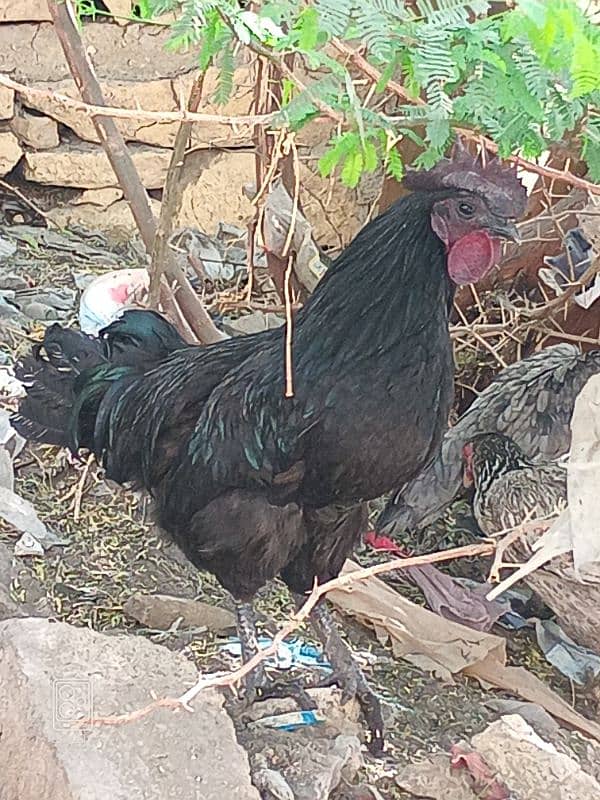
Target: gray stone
(160, 611)
(8, 607)
(54, 674)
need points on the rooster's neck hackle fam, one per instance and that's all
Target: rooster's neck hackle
(386, 288)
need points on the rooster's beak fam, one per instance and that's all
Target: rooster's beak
(506, 230)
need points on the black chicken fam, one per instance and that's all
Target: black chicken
(251, 483)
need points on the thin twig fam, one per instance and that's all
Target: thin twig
(111, 138)
(26, 201)
(92, 109)
(171, 198)
(287, 283)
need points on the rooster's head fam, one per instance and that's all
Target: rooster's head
(479, 201)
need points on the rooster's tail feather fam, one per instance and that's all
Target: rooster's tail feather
(69, 373)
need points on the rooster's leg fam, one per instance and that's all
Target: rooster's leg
(256, 680)
(257, 685)
(348, 675)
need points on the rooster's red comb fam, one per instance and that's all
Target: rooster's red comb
(490, 177)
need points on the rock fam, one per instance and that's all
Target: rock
(10, 280)
(7, 101)
(116, 219)
(35, 131)
(40, 311)
(536, 716)
(117, 52)
(435, 780)
(8, 607)
(311, 760)
(86, 165)
(7, 248)
(272, 784)
(10, 152)
(160, 611)
(99, 197)
(252, 323)
(163, 94)
(58, 674)
(314, 767)
(204, 204)
(120, 8)
(18, 512)
(24, 11)
(35, 602)
(531, 767)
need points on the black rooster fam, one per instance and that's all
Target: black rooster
(253, 484)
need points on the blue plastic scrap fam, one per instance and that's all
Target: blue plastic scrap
(290, 721)
(291, 653)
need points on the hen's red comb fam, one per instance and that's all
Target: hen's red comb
(490, 177)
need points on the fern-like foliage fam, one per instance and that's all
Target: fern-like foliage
(527, 76)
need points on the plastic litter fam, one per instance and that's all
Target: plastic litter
(107, 296)
(291, 653)
(290, 721)
(566, 268)
(576, 662)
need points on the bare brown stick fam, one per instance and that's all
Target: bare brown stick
(124, 168)
(374, 74)
(25, 200)
(230, 679)
(555, 305)
(108, 133)
(289, 317)
(92, 109)
(171, 198)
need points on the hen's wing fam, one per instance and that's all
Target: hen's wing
(531, 401)
(536, 492)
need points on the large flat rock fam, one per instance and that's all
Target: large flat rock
(118, 52)
(87, 166)
(52, 674)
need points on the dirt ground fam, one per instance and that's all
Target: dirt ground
(114, 550)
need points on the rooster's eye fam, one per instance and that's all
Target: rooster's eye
(466, 209)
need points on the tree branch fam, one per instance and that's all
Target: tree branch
(124, 168)
(171, 197)
(232, 678)
(92, 110)
(110, 136)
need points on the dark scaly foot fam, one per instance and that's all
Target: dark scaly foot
(348, 675)
(257, 685)
(255, 680)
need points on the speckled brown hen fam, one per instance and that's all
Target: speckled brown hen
(510, 489)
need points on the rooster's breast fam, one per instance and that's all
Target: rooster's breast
(380, 431)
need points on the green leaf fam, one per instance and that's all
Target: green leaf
(394, 164)
(353, 168)
(370, 156)
(438, 132)
(307, 28)
(585, 67)
(225, 85)
(386, 75)
(343, 145)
